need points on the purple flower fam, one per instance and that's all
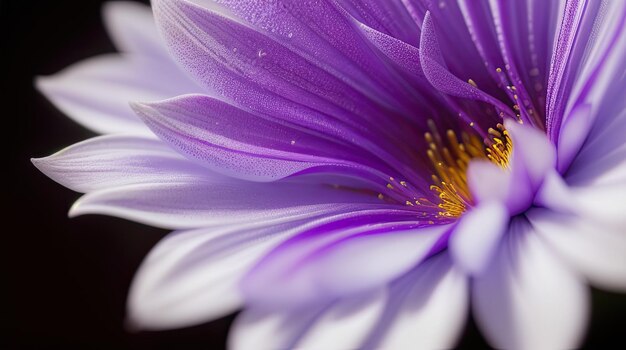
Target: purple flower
(350, 172)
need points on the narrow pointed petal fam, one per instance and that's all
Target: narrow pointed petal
(96, 92)
(477, 235)
(426, 308)
(440, 77)
(190, 204)
(235, 142)
(114, 160)
(527, 298)
(593, 249)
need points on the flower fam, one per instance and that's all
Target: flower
(350, 172)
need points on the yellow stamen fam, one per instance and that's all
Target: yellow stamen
(450, 159)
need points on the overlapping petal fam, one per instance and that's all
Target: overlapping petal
(341, 259)
(525, 292)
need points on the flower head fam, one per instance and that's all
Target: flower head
(344, 169)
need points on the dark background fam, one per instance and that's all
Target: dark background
(67, 279)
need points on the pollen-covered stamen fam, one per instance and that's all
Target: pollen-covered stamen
(499, 146)
(450, 159)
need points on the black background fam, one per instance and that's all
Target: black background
(67, 280)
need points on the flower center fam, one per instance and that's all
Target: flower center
(450, 157)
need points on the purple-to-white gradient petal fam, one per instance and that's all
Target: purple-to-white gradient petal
(114, 160)
(337, 261)
(192, 276)
(180, 204)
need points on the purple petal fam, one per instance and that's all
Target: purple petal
(596, 251)
(389, 17)
(233, 141)
(601, 159)
(477, 235)
(298, 70)
(574, 34)
(440, 77)
(332, 262)
(527, 299)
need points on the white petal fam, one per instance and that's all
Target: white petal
(427, 308)
(132, 28)
(188, 204)
(346, 324)
(477, 235)
(483, 177)
(527, 299)
(603, 203)
(596, 251)
(270, 329)
(96, 92)
(192, 276)
(113, 160)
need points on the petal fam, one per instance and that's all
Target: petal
(599, 78)
(282, 47)
(573, 33)
(183, 204)
(602, 159)
(193, 276)
(270, 329)
(333, 262)
(483, 177)
(555, 194)
(603, 203)
(593, 249)
(440, 77)
(527, 299)
(240, 144)
(573, 134)
(532, 151)
(131, 27)
(346, 323)
(426, 308)
(96, 92)
(477, 235)
(113, 160)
